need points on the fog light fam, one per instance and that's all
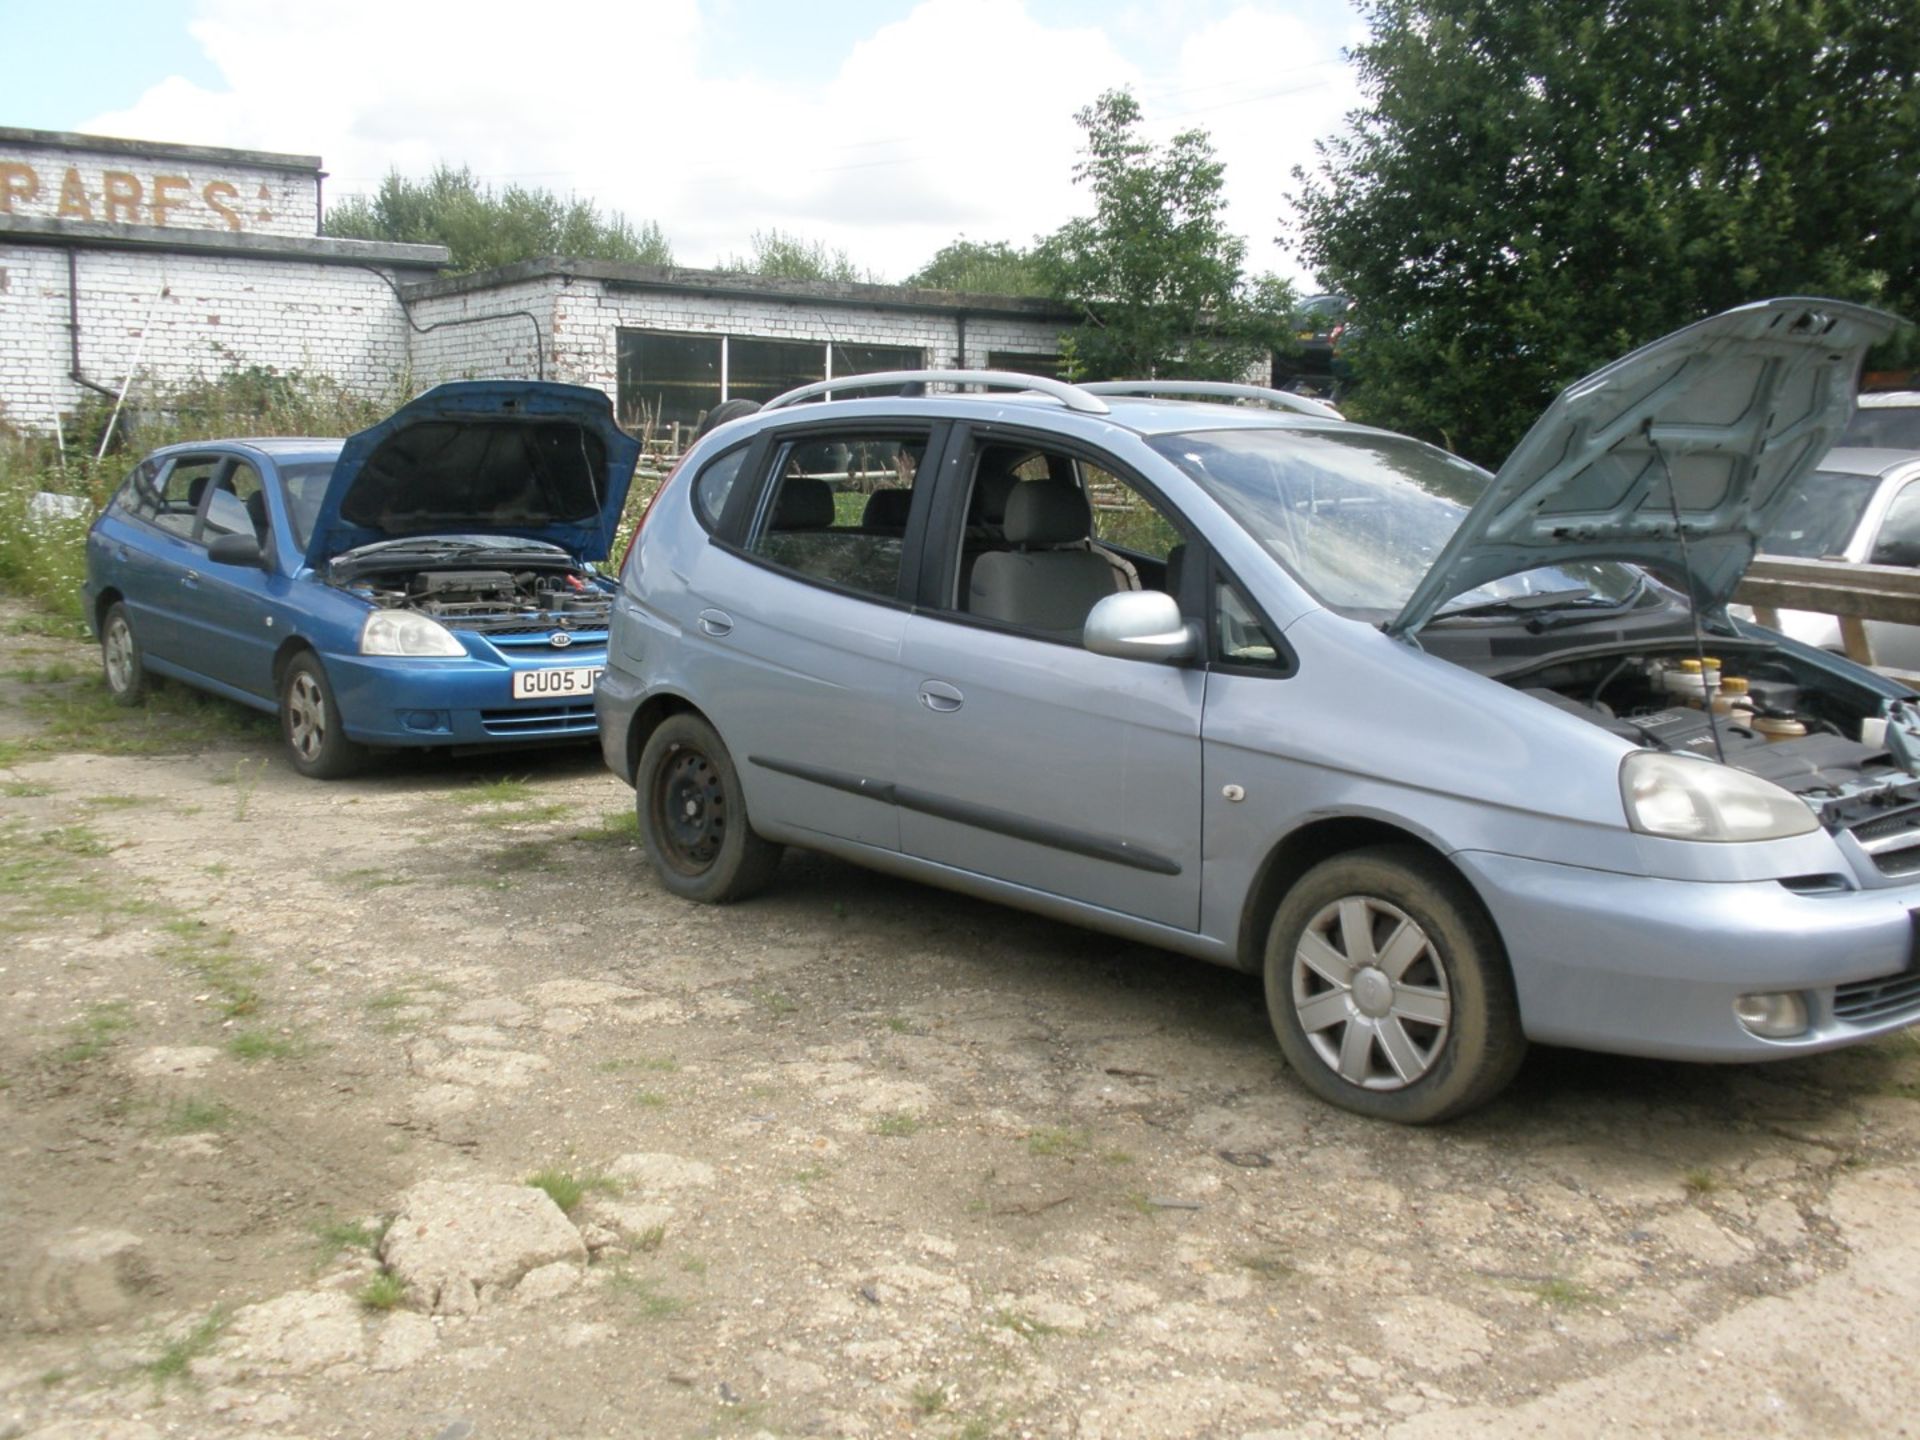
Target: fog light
(427, 720)
(1777, 1016)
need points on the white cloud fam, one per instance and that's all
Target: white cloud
(955, 117)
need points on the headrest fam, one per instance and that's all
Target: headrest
(992, 484)
(1048, 512)
(805, 504)
(887, 510)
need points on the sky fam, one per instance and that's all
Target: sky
(884, 128)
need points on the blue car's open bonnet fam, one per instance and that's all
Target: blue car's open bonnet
(531, 459)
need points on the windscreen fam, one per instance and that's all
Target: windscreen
(1820, 516)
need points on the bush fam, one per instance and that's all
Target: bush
(43, 556)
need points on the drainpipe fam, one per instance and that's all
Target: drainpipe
(73, 327)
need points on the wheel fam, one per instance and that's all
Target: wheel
(1388, 988)
(317, 742)
(693, 816)
(120, 658)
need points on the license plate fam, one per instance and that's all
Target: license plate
(555, 683)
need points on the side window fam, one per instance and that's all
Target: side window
(1899, 540)
(182, 489)
(1240, 639)
(1049, 536)
(236, 506)
(141, 494)
(710, 491)
(837, 510)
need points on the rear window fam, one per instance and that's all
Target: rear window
(1884, 427)
(1820, 516)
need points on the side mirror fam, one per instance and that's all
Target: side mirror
(1141, 625)
(237, 550)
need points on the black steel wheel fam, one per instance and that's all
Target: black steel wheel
(693, 816)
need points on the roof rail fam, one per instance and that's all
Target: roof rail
(1219, 390)
(1074, 397)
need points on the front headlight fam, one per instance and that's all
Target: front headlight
(1684, 798)
(402, 632)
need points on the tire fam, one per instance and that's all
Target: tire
(317, 743)
(693, 816)
(121, 660)
(1426, 1027)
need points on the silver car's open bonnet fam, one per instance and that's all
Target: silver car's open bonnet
(1699, 433)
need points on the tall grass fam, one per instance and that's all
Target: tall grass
(43, 557)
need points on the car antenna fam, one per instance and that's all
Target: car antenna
(1693, 600)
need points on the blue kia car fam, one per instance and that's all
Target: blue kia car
(1456, 761)
(427, 582)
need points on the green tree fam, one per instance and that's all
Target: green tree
(981, 268)
(780, 256)
(1537, 186)
(1160, 281)
(484, 229)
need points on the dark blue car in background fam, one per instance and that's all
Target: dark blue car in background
(427, 582)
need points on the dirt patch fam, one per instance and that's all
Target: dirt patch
(859, 1158)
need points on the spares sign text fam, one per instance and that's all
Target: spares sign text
(121, 197)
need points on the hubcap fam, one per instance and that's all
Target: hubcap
(119, 655)
(1371, 993)
(306, 717)
(692, 809)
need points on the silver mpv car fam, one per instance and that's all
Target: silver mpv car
(1455, 760)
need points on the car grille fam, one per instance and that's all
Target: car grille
(574, 719)
(1892, 841)
(534, 637)
(1884, 998)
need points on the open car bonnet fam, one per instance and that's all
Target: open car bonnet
(525, 458)
(1715, 422)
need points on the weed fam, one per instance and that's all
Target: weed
(74, 840)
(693, 1264)
(337, 1235)
(210, 956)
(929, 1399)
(899, 1024)
(774, 1003)
(524, 815)
(662, 1064)
(383, 1292)
(643, 1293)
(1700, 1182)
(24, 790)
(115, 802)
(175, 1358)
(373, 877)
(1026, 1326)
(650, 1099)
(567, 1190)
(1056, 1140)
(50, 1378)
(194, 1116)
(896, 1124)
(616, 827)
(650, 1239)
(1267, 1264)
(259, 1045)
(246, 779)
(93, 1033)
(504, 791)
(1561, 1293)
(807, 1174)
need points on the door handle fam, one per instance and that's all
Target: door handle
(716, 622)
(120, 552)
(939, 696)
(190, 579)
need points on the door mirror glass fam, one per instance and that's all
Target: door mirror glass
(1141, 625)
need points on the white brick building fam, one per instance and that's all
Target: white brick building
(174, 263)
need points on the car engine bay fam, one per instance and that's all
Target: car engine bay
(558, 596)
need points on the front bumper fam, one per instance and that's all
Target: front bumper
(414, 702)
(1640, 966)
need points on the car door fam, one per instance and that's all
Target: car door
(796, 615)
(152, 564)
(1025, 757)
(227, 612)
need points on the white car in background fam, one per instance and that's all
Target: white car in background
(1861, 506)
(1886, 420)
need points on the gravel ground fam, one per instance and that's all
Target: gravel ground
(279, 1059)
